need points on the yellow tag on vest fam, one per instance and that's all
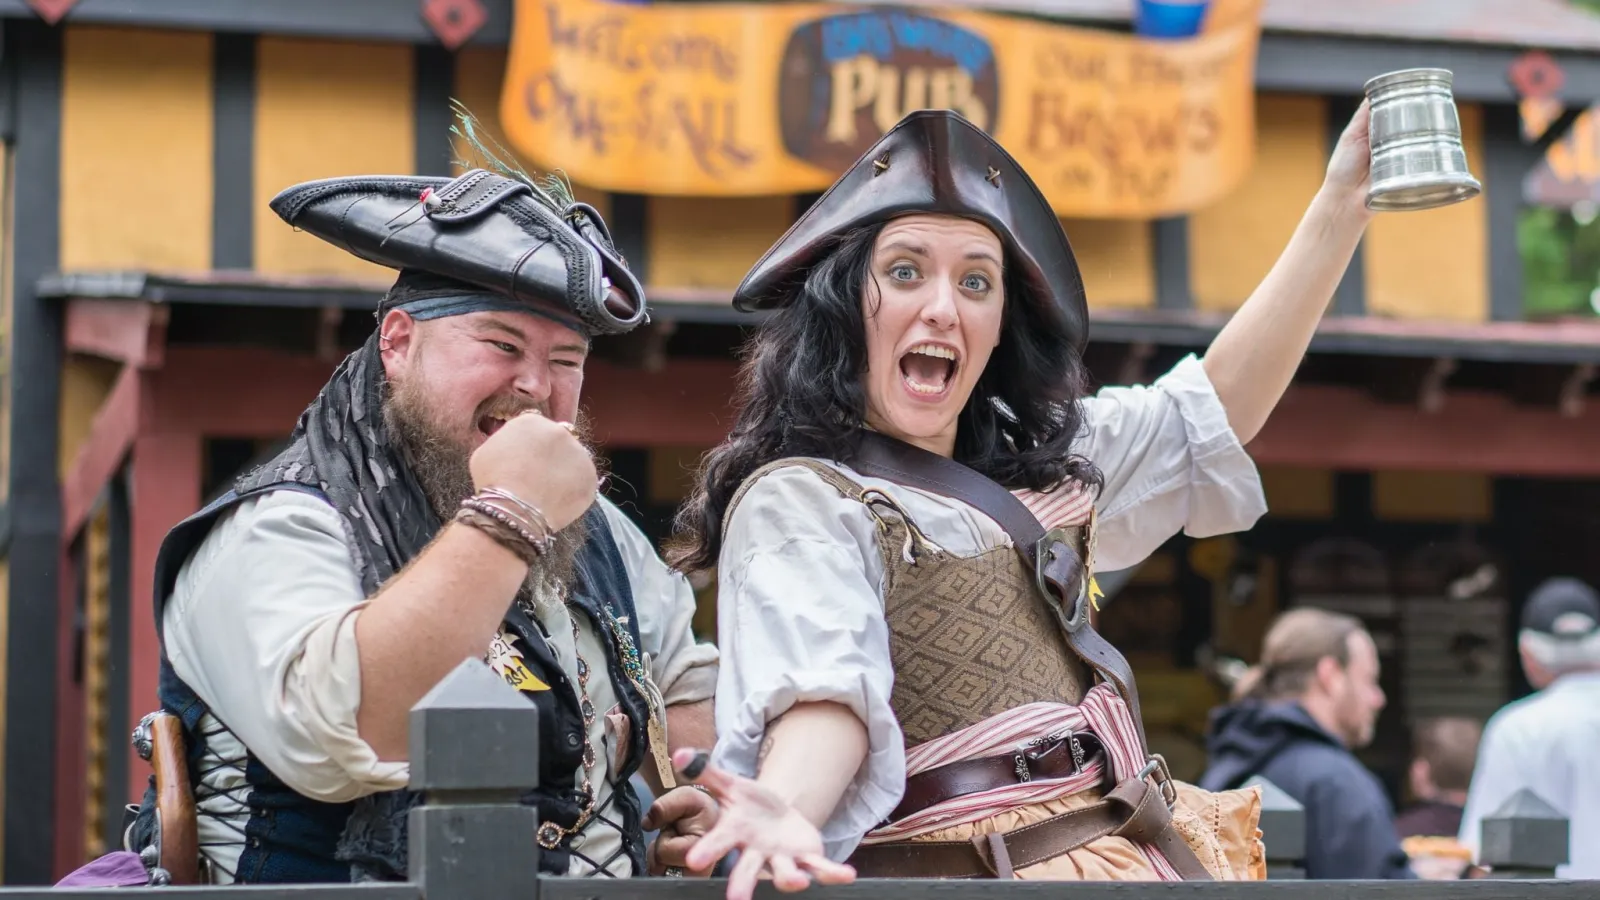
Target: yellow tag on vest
(506, 660)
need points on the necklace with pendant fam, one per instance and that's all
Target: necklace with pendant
(550, 835)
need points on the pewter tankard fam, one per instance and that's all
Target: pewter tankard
(1417, 158)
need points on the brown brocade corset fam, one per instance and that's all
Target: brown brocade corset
(969, 637)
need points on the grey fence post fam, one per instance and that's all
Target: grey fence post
(1283, 831)
(474, 747)
(1525, 838)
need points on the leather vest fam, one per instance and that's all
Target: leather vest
(292, 838)
(968, 636)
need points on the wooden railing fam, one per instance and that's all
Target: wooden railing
(472, 840)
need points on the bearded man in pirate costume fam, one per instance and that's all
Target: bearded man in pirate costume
(435, 503)
(906, 518)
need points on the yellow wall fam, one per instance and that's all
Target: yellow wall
(1233, 242)
(707, 242)
(85, 382)
(326, 108)
(672, 471)
(135, 150)
(1434, 264)
(1117, 257)
(480, 72)
(1432, 497)
(1298, 493)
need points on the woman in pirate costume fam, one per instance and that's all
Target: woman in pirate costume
(906, 517)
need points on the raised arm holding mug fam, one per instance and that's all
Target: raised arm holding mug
(908, 513)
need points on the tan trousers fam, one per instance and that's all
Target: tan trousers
(1221, 828)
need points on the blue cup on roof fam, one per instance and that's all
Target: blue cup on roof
(1169, 19)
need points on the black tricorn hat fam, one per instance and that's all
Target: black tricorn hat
(501, 235)
(933, 161)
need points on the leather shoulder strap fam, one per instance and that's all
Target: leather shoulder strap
(1061, 577)
(885, 457)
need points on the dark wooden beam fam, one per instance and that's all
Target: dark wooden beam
(434, 70)
(1507, 159)
(629, 226)
(1557, 129)
(34, 381)
(233, 155)
(122, 783)
(1170, 241)
(67, 842)
(1350, 297)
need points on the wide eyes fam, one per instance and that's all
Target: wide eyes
(973, 282)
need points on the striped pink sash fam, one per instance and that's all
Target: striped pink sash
(1101, 713)
(1063, 507)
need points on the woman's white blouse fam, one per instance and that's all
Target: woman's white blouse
(800, 602)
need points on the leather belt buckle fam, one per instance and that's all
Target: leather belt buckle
(1157, 766)
(1072, 612)
(1025, 754)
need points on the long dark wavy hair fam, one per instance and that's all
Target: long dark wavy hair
(800, 395)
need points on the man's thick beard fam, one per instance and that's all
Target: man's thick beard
(443, 471)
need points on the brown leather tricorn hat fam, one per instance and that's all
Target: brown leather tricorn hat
(933, 161)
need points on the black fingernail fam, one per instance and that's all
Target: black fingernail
(697, 765)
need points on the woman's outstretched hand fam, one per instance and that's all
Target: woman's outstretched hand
(772, 838)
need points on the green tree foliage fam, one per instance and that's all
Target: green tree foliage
(1560, 262)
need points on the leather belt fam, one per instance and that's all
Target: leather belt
(1052, 756)
(1133, 809)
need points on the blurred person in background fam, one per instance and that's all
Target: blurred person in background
(1444, 751)
(1546, 743)
(1312, 700)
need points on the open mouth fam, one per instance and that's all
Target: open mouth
(489, 424)
(929, 369)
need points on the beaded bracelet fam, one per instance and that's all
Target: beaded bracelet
(527, 511)
(503, 534)
(507, 514)
(539, 541)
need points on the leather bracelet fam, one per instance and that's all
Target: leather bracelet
(503, 534)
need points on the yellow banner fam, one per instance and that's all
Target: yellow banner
(719, 99)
